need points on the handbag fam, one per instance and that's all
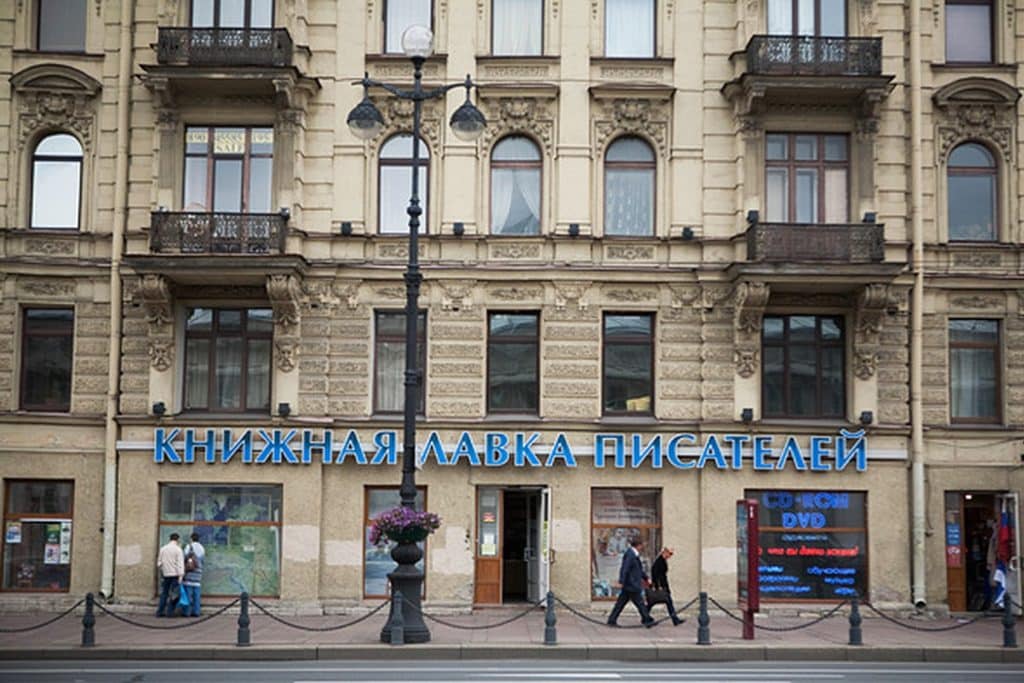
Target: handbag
(183, 601)
(656, 596)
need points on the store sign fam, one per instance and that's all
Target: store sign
(518, 449)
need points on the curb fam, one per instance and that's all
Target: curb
(495, 652)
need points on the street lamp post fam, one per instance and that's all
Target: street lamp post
(365, 121)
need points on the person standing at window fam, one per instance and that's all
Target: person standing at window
(659, 583)
(171, 563)
(632, 580)
(195, 558)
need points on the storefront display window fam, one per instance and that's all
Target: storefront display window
(377, 558)
(813, 544)
(240, 526)
(618, 515)
(37, 535)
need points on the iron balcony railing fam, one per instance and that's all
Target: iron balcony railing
(842, 242)
(814, 56)
(218, 233)
(225, 47)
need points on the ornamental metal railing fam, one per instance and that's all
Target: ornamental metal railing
(218, 233)
(225, 47)
(814, 56)
(844, 242)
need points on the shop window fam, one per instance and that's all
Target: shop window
(37, 535)
(814, 544)
(971, 189)
(617, 515)
(517, 27)
(807, 18)
(515, 187)
(806, 178)
(228, 170)
(395, 169)
(804, 372)
(974, 371)
(377, 562)
(969, 31)
(232, 13)
(47, 352)
(628, 375)
(227, 359)
(629, 28)
(513, 363)
(240, 526)
(400, 15)
(389, 361)
(629, 188)
(57, 182)
(60, 25)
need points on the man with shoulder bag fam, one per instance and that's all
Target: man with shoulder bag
(195, 556)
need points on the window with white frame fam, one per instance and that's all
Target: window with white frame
(395, 169)
(515, 187)
(629, 28)
(629, 168)
(57, 182)
(517, 27)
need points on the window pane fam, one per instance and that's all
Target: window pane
(56, 191)
(777, 147)
(512, 383)
(627, 378)
(806, 147)
(195, 184)
(976, 331)
(228, 373)
(395, 184)
(260, 184)
(777, 199)
(60, 145)
(968, 33)
(513, 324)
(197, 374)
(260, 320)
(518, 26)
(232, 13)
(836, 202)
(806, 195)
(831, 329)
(261, 13)
(47, 355)
(515, 148)
(197, 140)
(229, 320)
(41, 497)
(803, 384)
(515, 201)
(229, 141)
(773, 379)
(202, 13)
(773, 328)
(62, 25)
(780, 17)
(199, 320)
(401, 14)
(41, 559)
(973, 383)
(619, 515)
(971, 206)
(833, 18)
(400, 147)
(630, 149)
(626, 326)
(805, 17)
(971, 155)
(835, 148)
(629, 28)
(378, 562)
(227, 189)
(389, 361)
(629, 202)
(802, 328)
(832, 381)
(258, 375)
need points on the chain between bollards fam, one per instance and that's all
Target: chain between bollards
(1009, 624)
(856, 635)
(244, 636)
(397, 624)
(550, 634)
(703, 621)
(89, 622)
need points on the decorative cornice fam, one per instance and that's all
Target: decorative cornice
(976, 109)
(633, 116)
(871, 305)
(398, 119)
(749, 301)
(157, 302)
(508, 115)
(285, 293)
(567, 293)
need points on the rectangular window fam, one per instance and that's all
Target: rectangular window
(60, 25)
(512, 363)
(37, 535)
(228, 170)
(227, 359)
(814, 544)
(974, 371)
(400, 15)
(240, 527)
(517, 27)
(806, 178)
(804, 370)
(616, 516)
(377, 562)
(389, 359)
(232, 13)
(826, 18)
(969, 31)
(47, 350)
(628, 364)
(629, 28)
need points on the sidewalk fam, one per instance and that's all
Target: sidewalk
(521, 639)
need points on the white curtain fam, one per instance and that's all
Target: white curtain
(780, 17)
(390, 387)
(517, 27)
(629, 28)
(836, 200)
(629, 202)
(401, 15)
(229, 373)
(515, 201)
(973, 390)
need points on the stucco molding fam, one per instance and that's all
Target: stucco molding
(646, 118)
(161, 353)
(285, 294)
(976, 109)
(457, 295)
(529, 116)
(157, 302)
(749, 302)
(286, 353)
(571, 294)
(398, 120)
(871, 305)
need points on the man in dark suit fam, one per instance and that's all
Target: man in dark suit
(632, 579)
(659, 582)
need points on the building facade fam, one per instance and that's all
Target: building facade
(704, 251)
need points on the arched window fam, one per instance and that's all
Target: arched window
(971, 189)
(396, 183)
(629, 188)
(56, 182)
(515, 187)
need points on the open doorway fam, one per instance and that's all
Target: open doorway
(512, 545)
(982, 550)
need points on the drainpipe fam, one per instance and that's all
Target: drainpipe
(124, 91)
(917, 453)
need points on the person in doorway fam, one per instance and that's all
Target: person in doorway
(659, 583)
(171, 563)
(632, 580)
(195, 558)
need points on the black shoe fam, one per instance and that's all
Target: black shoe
(650, 623)
(678, 621)
(613, 624)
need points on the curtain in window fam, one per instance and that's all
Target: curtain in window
(229, 372)
(629, 202)
(390, 376)
(518, 27)
(973, 390)
(401, 14)
(629, 28)
(780, 17)
(515, 201)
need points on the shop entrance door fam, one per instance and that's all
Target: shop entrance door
(974, 545)
(512, 553)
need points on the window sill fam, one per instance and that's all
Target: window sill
(978, 427)
(617, 420)
(989, 67)
(815, 422)
(62, 54)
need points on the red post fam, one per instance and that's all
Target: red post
(748, 595)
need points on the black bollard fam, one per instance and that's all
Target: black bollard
(550, 634)
(856, 637)
(244, 637)
(89, 622)
(1009, 623)
(703, 621)
(397, 619)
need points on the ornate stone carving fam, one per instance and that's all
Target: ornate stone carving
(684, 295)
(168, 12)
(976, 109)
(157, 302)
(515, 250)
(398, 119)
(517, 293)
(285, 293)
(529, 115)
(629, 252)
(457, 295)
(348, 292)
(865, 363)
(391, 292)
(647, 118)
(567, 293)
(286, 351)
(161, 353)
(712, 295)
(59, 112)
(46, 287)
(975, 301)
(871, 306)
(1020, 303)
(749, 301)
(868, 17)
(50, 247)
(812, 300)
(974, 259)
(629, 295)
(746, 362)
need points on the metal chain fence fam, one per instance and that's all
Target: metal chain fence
(598, 622)
(26, 629)
(468, 627)
(927, 629)
(318, 629)
(781, 629)
(168, 627)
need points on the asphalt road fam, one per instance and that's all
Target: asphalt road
(498, 672)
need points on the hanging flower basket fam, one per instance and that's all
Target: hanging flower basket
(403, 525)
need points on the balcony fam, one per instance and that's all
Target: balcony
(803, 243)
(218, 233)
(225, 47)
(814, 56)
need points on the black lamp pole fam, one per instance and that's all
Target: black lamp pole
(366, 121)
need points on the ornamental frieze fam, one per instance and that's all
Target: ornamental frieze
(516, 293)
(46, 287)
(515, 251)
(625, 116)
(509, 115)
(629, 252)
(975, 301)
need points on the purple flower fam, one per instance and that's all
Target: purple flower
(402, 524)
